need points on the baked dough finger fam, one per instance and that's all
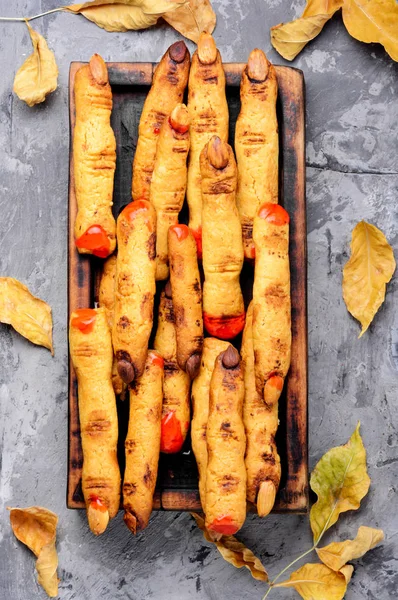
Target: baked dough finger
(176, 387)
(106, 298)
(272, 334)
(263, 465)
(256, 143)
(169, 82)
(91, 352)
(169, 181)
(226, 442)
(143, 443)
(208, 109)
(135, 287)
(200, 407)
(223, 308)
(187, 298)
(94, 160)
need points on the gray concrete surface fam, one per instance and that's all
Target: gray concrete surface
(352, 174)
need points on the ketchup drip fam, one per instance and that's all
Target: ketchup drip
(224, 327)
(95, 240)
(198, 239)
(84, 319)
(97, 504)
(171, 439)
(224, 525)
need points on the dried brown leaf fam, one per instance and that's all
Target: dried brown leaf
(36, 528)
(290, 38)
(29, 315)
(373, 21)
(366, 274)
(317, 582)
(38, 75)
(337, 554)
(192, 18)
(125, 15)
(234, 551)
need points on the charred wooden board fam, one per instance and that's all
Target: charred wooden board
(177, 487)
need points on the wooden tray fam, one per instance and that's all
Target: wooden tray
(177, 480)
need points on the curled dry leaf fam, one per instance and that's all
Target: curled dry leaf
(315, 581)
(125, 15)
(290, 38)
(373, 21)
(29, 315)
(192, 18)
(366, 274)
(38, 75)
(36, 528)
(340, 480)
(337, 554)
(347, 571)
(234, 551)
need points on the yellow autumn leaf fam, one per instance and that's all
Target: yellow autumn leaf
(192, 18)
(340, 480)
(125, 15)
(234, 551)
(337, 554)
(38, 75)
(373, 21)
(290, 38)
(315, 581)
(36, 528)
(29, 315)
(347, 571)
(367, 272)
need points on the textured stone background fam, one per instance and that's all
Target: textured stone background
(352, 174)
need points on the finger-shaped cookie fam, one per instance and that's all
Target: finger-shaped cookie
(176, 386)
(169, 181)
(94, 160)
(106, 298)
(135, 287)
(271, 297)
(187, 297)
(263, 465)
(208, 109)
(169, 82)
(256, 143)
(200, 406)
(142, 443)
(225, 502)
(91, 352)
(223, 308)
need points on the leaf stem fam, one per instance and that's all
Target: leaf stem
(272, 583)
(48, 12)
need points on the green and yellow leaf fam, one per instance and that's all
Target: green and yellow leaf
(29, 315)
(36, 528)
(367, 272)
(290, 38)
(373, 21)
(337, 554)
(340, 480)
(234, 551)
(38, 75)
(315, 581)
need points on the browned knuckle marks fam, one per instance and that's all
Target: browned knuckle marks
(131, 521)
(257, 66)
(218, 153)
(230, 358)
(193, 365)
(178, 51)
